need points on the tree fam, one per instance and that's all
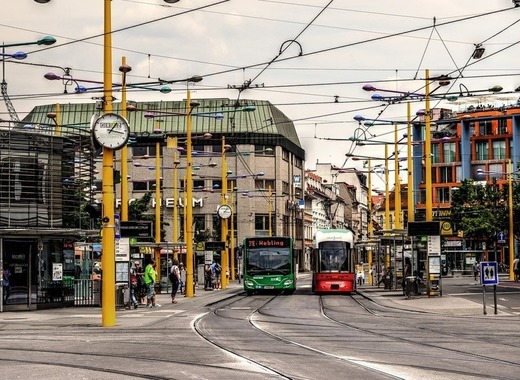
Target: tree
(479, 210)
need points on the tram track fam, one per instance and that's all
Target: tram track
(264, 316)
(470, 356)
(252, 315)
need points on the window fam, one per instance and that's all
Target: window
(198, 184)
(264, 150)
(261, 224)
(286, 189)
(446, 174)
(265, 184)
(21, 180)
(443, 195)
(458, 173)
(435, 154)
(484, 128)
(499, 149)
(148, 150)
(285, 155)
(217, 184)
(502, 126)
(143, 185)
(481, 150)
(449, 152)
(472, 128)
(298, 162)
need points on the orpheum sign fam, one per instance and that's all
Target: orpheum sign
(169, 202)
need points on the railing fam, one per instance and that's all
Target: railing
(87, 292)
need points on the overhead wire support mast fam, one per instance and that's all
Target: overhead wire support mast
(10, 108)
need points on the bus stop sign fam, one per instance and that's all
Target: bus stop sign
(489, 273)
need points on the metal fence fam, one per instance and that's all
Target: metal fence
(87, 292)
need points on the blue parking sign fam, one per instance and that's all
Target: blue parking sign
(489, 273)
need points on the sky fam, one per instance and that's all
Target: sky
(310, 58)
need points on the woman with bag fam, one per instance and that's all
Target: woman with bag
(175, 278)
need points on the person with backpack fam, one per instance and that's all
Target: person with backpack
(216, 270)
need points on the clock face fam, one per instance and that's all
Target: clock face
(224, 211)
(111, 131)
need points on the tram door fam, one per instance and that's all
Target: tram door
(20, 264)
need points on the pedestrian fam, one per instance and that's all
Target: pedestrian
(175, 278)
(6, 284)
(407, 271)
(476, 270)
(150, 277)
(216, 271)
(516, 268)
(208, 280)
(182, 284)
(134, 284)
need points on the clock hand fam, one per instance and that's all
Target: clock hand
(113, 126)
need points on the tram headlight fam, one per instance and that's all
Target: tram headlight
(288, 282)
(249, 284)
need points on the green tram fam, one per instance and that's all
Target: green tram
(269, 265)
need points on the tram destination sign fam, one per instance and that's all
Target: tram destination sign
(136, 229)
(424, 228)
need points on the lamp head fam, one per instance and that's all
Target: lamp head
(47, 40)
(42, 1)
(125, 68)
(195, 78)
(51, 76)
(369, 87)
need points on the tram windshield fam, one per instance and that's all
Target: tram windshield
(334, 257)
(274, 260)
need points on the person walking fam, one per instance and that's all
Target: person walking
(516, 268)
(182, 284)
(175, 278)
(150, 277)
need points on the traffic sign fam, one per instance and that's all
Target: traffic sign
(501, 237)
(489, 273)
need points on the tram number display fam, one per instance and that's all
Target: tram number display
(268, 242)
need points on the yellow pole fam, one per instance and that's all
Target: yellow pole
(175, 222)
(124, 152)
(232, 227)
(224, 222)
(108, 289)
(188, 232)
(411, 207)
(427, 151)
(511, 225)
(397, 193)
(370, 222)
(387, 191)
(158, 209)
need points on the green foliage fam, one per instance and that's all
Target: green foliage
(479, 210)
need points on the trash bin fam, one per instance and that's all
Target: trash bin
(410, 286)
(120, 295)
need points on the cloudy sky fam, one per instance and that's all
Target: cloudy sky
(308, 57)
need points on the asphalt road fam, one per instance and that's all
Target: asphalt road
(375, 334)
